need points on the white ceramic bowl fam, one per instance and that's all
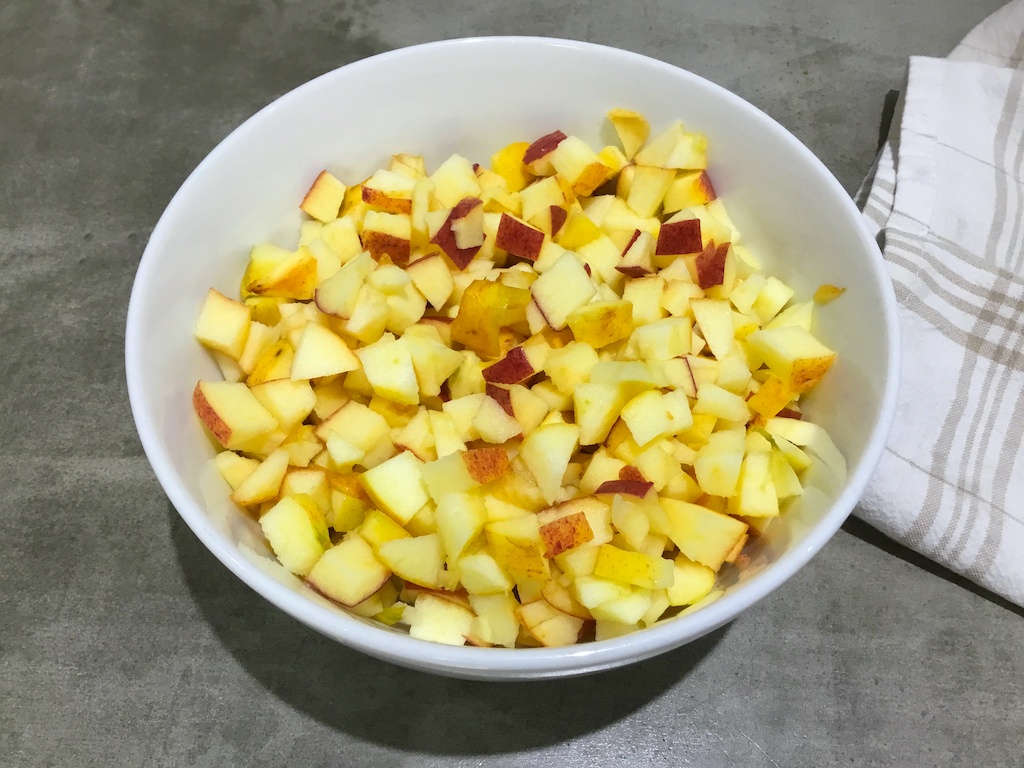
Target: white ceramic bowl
(474, 96)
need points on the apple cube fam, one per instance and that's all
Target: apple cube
(432, 278)
(632, 129)
(387, 364)
(439, 620)
(633, 568)
(578, 164)
(454, 180)
(324, 198)
(387, 233)
(496, 622)
(565, 287)
(480, 574)
(702, 535)
(720, 403)
(462, 233)
(546, 452)
(756, 496)
(223, 324)
(418, 559)
(348, 572)
(460, 518)
(293, 277)
(793, 355)
(600, 323)
(507, 162)
(388, 191)
(537, 156)
(549, 625)
(232, 413)
(297, 533)
(519, 238)
(718, 462)
(570, 365)
(516, 545)
(692, 582)
(397, 487)
(714, 319)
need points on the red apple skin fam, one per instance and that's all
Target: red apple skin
(632, 271)
(519, 239)
(789, 413)
(542, 146)
(379, 200)
(558, 217)
(501, 396)
(445, 237)
(711, 265)
(704, 182)
(513, 368)
(626, 487)
(679, 237)
(379, 243)
(631, 473)
(636, 234)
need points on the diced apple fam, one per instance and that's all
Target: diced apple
(439, 620)
(549, 625)
(419, 559)
(349, 572)
(324, 198)
(232, 413)
(562, 289)
(223, 324)
(718, 462)
(537, 156)
(692, 582)
(519, 238)
(714, 318)
(546, 452)
(480, 574)
(793, 355)
(632, 129)
(702, 535)
(297, 533)
(397, 487)
(578, 164)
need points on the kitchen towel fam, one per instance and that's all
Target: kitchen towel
(947, 203)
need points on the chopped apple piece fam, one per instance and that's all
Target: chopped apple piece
(223, 324)
(439, 620)
(297, 533)
(232, 413)
(546, 452)
(632, 129)
(419, 559)
(348, 572)
(519, 238)
(324, 198)
(537, 156)
(396, 485)
(320, 352)
(565, 287)
(577, 163)
(793, 356)
(702, 535)
(549, 625)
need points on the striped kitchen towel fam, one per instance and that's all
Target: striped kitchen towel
(947, 202)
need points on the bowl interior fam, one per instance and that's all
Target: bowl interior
(473, 97)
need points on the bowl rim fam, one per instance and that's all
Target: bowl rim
(503, 663)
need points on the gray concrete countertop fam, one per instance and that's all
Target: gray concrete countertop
(124, 643)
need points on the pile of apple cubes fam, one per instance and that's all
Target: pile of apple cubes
(531, 404)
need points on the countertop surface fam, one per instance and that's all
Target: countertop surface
(123, 642)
